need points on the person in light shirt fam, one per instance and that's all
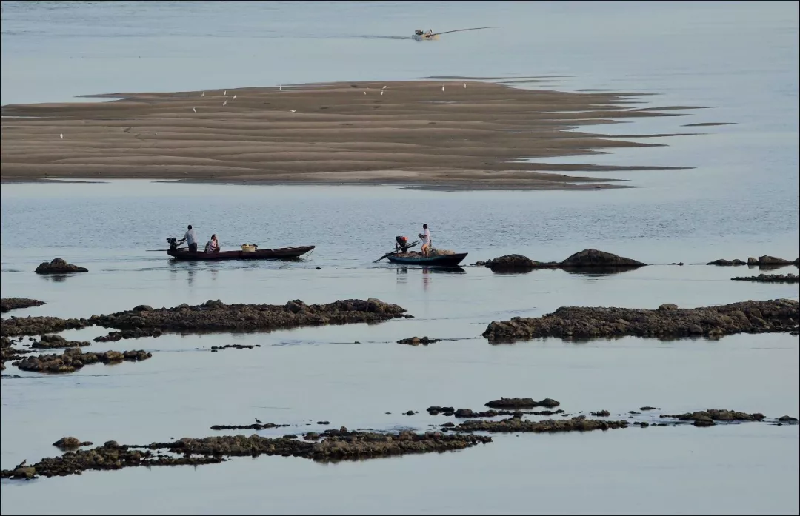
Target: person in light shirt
(190, 239)
(425, 236)
(213, 245)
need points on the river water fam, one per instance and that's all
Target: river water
(738, 60)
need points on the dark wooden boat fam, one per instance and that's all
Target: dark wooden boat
(443, 260)
(284, 253)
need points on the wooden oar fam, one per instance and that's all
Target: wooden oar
(384, 256)
(460, 30)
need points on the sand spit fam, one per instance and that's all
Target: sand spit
(411, 133)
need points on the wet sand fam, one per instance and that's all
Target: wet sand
(414, 134)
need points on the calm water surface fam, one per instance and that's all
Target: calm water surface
(740, 60)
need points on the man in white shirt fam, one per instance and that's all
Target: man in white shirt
(190, 239)
(425, 236)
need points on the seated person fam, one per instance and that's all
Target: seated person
(213, 245)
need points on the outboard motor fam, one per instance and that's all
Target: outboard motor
(173, 243)
(401, 244)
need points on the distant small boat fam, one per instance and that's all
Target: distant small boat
(443, 260)
(425, 37)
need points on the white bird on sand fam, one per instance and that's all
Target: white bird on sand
(203, 94)
(293, 110)
(381, 93)
(465, 84)
(383, 88)
(224, 102)
(62, 136)
(193, 109)
(225, 93)
(442, 87)
(280, 87)
(365, 93)
(234, 96)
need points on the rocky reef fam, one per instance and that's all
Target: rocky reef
(73, 359)
(334, 445)
(513, 424)
(57, 341)
(668, 321)
(770, 278)
(58, 266)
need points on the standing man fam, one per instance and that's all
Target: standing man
(425, 236)
(190, 239)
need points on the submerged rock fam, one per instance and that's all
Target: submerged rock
(516, 263)
(416, 341)
(254, 426)
(234, 346)
(58, 266)
(595, 258)
(601, 413)
(14, 303)
(780, 315)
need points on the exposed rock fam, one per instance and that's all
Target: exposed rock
(16, 326)
(56, 341)
(58, 266)
(771, 260)
(217, 316)
(771, 278)
(14, 303)
(522, 403)
(517, 263)
(648, 407)
(73, 359)
(787, 419)
(780, 315)
(601, 413)
(254, 426)
(70, 443)
(595, 258)
(469, 413)
(727, 263)
(643, 424)
(416, 341)
(579, 424)
(711, 415)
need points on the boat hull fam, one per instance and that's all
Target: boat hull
(284, 253)
(447, 260)
(425, 38)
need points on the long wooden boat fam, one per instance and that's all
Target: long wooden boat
(443, 260)
(284, 253)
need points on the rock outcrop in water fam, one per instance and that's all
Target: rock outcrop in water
(73, 359)
(727, 263)
(668, 321)
(335, 445)
(765, 261)
(709, 416)
(521, 403)
(57, 341)
(771, 278)
(16, 326)
(586, 259)
(217, 316)
(14, 303)
(58, 266)
(595, 258)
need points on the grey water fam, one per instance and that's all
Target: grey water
(739, 198)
